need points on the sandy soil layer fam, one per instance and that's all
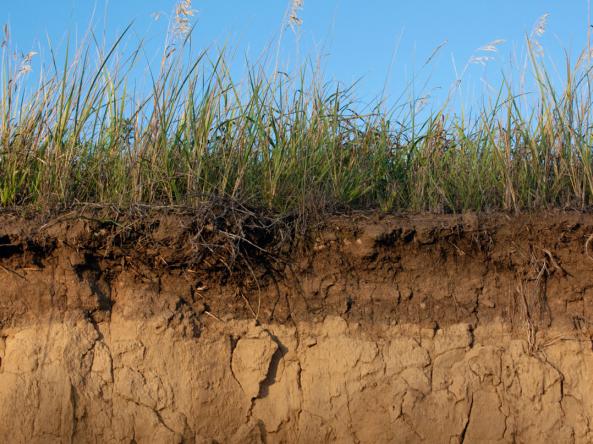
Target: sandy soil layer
(393, 329)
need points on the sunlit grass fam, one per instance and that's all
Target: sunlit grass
(286, 142)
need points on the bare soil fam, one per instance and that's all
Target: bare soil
(218, 325)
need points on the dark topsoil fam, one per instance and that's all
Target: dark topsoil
(219, 263)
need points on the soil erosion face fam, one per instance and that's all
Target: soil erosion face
(169, 327)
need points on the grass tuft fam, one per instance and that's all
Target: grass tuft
(291, 144)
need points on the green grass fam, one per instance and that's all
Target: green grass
(290, 144)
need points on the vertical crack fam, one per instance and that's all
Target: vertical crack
(469, 415)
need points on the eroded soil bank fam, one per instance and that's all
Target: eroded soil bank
(178, 327)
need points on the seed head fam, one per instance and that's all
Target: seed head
(480, 60)
(540, 26)
(6, 37)
(25, 65)
(492, 46)
(293, 16)
(183, 14)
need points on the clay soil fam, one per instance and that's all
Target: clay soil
(223, 325)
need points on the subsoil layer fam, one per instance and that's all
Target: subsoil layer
(215, 326)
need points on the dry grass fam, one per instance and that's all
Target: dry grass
(287, 143)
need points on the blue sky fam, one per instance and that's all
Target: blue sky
(381, 42)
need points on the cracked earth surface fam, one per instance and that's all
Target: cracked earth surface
(470, 330)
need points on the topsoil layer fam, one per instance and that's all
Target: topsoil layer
(222, 326)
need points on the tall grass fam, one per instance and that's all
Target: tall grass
(288, 143)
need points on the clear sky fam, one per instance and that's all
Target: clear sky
(377, 41)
